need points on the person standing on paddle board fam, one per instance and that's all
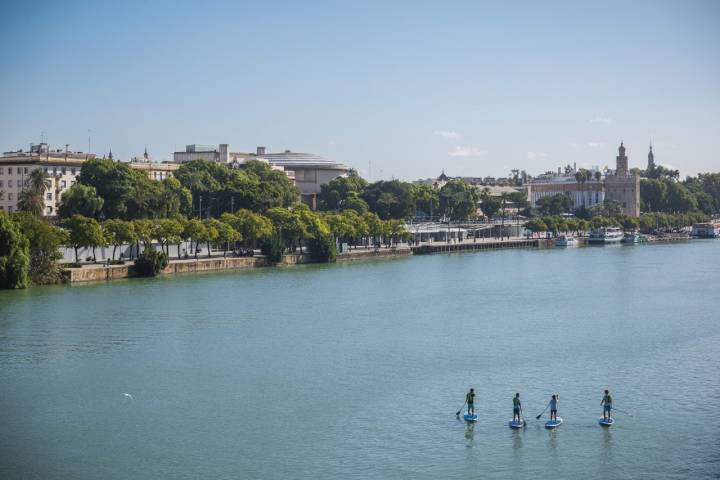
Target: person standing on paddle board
(470, 400)
(517, 406)
(607, 405)
(553, 406)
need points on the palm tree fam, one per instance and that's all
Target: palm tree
(32, 198)
(37, 180)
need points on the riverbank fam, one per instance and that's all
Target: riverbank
(101, 272)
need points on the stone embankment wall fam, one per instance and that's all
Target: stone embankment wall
(94, 273)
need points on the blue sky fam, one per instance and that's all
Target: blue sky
(406, 89)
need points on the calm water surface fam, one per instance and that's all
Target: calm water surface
(356, 370)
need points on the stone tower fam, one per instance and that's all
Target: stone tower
(651, 159)
(621, 162)
(624, 186)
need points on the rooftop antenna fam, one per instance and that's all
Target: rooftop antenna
(42, 137)
(89, 132)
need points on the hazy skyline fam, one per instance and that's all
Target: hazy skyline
(472, 88)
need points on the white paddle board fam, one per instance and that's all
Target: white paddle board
(606, 422)
(554, 423)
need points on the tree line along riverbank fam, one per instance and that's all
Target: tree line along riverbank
(255, 207)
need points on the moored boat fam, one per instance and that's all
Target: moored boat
(605, 235)
(566, 241)
(631, 237)
(706, 230)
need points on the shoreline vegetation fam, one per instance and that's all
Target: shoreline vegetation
(240, 211)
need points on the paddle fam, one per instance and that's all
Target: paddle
(523, 418)
(538, 417)
(457, 414)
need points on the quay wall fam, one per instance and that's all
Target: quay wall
(98, 273)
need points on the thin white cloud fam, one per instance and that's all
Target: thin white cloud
(601, 119)
(447, 133)
(467, 152)
(595, 144)
(534, 155)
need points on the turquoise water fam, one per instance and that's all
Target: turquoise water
(356, 370)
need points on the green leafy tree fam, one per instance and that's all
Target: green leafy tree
(322, 248)
(336, 194)
(226, 235)
(458, 200)
(119, 232)
(288, 226)
(45, 241)
(256, 186)
(375, 226)
(490, 205)
(536, 225)
(14, 254)
(114, 182)
(555, 204)
(83, 232)
(252, 226)
(427, 200)
(150, 263)
(628, 222)
(144, 232)
(211, 232)
(82, 200)
(195, 232)
(168, 231)
(390, 199)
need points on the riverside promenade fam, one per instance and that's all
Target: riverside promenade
(215, 263)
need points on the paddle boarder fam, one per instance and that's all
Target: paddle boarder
(553, 407)
(517, 406)
(470, 400)
(607, 405)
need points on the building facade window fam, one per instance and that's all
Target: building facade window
(9, 170)
(45, 169)
(63, 184)
(72, 170)
(49, 196)
(1, 184)
(19, 183)
(25, 170)
(49, 210)
(9, 195)
(1, 170)
(63, 170)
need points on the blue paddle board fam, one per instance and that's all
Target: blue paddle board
(470, 418)
(554, 423)
(516, 424)
(606, 422)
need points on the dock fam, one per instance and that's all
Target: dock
(429, 248)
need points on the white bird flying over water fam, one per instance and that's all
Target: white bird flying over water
(129, 396)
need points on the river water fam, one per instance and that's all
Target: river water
(356, 370)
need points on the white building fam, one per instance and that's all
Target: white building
(61, 166)
(311, 171)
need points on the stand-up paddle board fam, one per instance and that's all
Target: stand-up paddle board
(515, 424)
(470, 418)
(554, 423)
(606, 422)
